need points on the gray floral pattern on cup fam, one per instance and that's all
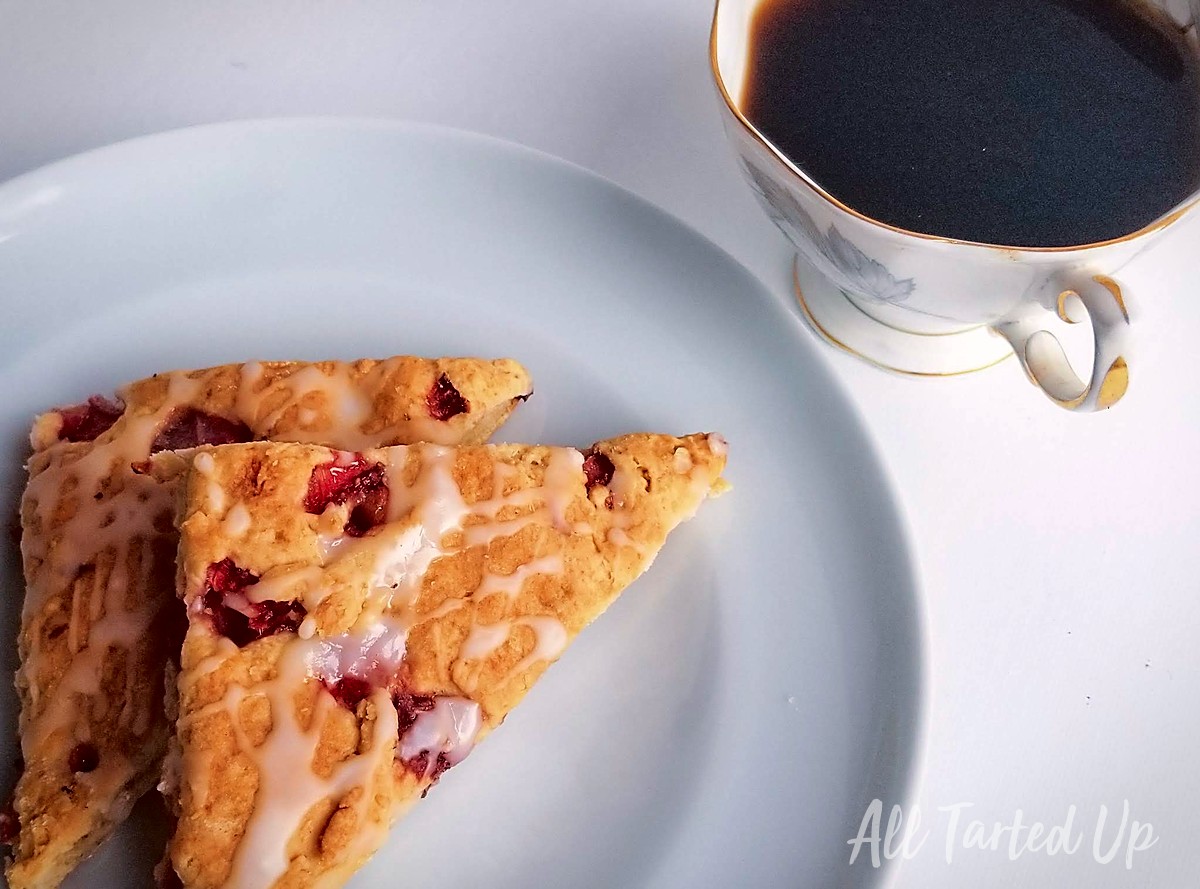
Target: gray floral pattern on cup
(845, 264)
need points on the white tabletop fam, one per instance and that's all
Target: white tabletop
(1060, 554)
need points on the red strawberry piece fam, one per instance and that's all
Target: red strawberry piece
(444, 401)
(188, 427)
(597, 469)
(349, 691)
(84, 757)
(418, 765)
(408, 706)
(355, 481)
(268, 618)
(90, 420)
(239, 619)
(226, 577)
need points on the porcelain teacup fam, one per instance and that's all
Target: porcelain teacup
(929, 305)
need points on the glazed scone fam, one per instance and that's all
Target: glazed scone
(98, 547)
(357, 622)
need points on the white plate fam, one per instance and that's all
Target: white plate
(727, 722)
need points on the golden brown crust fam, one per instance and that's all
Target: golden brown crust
(99, 550)
(527, 557)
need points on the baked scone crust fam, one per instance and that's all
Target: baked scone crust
(98, 547)
(384, 650)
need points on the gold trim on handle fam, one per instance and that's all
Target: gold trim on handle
(1062, 306)
(1115, 289)
(1116, 383)
(1052, 371)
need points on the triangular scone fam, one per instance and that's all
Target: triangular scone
(99, 552)
(358, 622)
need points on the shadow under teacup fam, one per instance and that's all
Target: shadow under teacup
(935, 306)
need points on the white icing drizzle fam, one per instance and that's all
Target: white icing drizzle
(438, 508)
(551, 640)
(237, 521)
(423, 514)
(450, 729)
(214, 493)
(682, 461)
(510, 584)
(619, 537)
(420, 518)
(433, 497)
(288, 787)
(718, 445)
(562, 478)
(402, 556)
(484, 639)
(283, 586)
(346, 403)
(115, 511)
(373, 654)
(621, 488)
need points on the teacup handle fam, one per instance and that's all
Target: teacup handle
(1042, 355)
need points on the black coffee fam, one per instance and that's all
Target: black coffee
(1016, 122)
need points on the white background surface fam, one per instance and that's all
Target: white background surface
(1059, 553)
